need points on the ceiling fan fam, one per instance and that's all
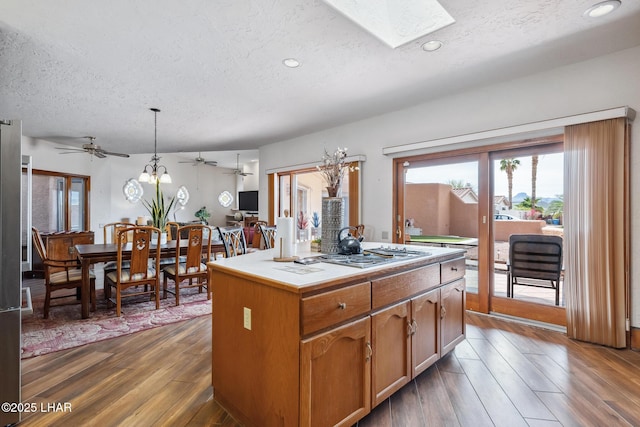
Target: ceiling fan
(201, 161)
(237, 170)
(92, 149)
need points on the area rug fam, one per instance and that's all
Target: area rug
(65, 329)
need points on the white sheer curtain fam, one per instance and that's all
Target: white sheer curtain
(596, 235)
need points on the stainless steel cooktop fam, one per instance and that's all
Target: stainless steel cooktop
(373, 257)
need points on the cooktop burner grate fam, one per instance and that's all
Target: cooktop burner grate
(372, 257)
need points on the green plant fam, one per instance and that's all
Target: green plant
(159, 209)
(203, 214)
(556, 207)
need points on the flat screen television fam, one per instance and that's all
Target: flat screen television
(248, 201)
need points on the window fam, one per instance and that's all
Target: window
(301, 191)
(60, 202)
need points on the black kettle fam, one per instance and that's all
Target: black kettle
(349, 245)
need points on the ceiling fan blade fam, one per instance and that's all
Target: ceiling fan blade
(109, 153)
(71, 150)
(211, 163)
(98, 154)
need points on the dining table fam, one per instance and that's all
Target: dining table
(89, 254)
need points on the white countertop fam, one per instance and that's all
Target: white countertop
(261, 264)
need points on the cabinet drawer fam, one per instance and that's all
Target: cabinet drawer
(395, 288)
(333, 307)
(452, 270)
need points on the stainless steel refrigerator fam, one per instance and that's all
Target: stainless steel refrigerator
(10, 277)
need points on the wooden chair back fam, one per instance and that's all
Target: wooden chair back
(38, 243)
(268, 235)
(257, 235)
(143, 267)
(110, 231)
(60, 274)
(190, 266)
(172, 230)
(359, 231)
(141, 251)
(233, 240)
(198, 245)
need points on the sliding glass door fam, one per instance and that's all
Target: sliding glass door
(474, 199)
(441, 208)
(527, 190)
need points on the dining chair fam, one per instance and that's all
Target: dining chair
(268, 235)
(198, 243)
(110, 230)
(60, 275)
(110, 234)
(172, 230)
(534, 260)
(233, 240)
(144, 266)
(256, 241)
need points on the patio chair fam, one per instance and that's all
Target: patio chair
(192, 268)
(534, 260)
(144, 266)
(60, 275)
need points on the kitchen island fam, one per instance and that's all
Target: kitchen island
(322, 344)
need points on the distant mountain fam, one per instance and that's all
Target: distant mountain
(519, 197)
(542, 202)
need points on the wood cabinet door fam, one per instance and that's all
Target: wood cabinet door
(335, 375)
(425, 322)
(391, 339)
(452, 325)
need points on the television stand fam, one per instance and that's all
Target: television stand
(250, 219)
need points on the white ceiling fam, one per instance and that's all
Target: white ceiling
(84, 67)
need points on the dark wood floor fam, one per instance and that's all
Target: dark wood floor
(504, 374)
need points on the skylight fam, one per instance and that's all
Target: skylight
(395, 22)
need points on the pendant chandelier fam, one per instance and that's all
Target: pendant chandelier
(154, 172)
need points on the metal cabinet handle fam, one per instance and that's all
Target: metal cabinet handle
(369, 351)
(454, 268)
(342, 305)
(414, 325)
(443, 312)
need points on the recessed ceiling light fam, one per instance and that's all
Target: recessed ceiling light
(602, 8)
(291, 62)
(432, 45)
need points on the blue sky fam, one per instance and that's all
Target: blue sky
(549, 176)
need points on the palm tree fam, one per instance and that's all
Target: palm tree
(456, 183)
(534, 173)
(509, 165)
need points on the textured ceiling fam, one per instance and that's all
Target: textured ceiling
(84, 67)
